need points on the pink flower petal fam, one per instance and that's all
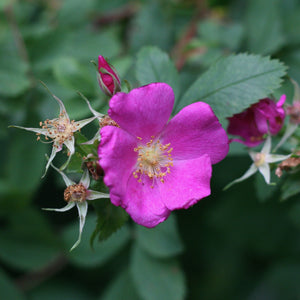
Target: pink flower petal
(196, 131)
(187, 183)
(117, 158)
(144, 204)
(144, 111)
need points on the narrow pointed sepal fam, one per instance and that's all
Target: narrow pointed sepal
(69, 206)
(264, 170)
(250, 172)
(82, 211)
(92, 195)
(67, 180)
(50, 159)
(290, 129)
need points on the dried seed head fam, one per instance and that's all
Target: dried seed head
(75, 192)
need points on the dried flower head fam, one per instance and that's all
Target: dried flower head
(60, 131)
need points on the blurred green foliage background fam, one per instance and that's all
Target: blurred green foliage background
(240, 244)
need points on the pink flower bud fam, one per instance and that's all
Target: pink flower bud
(108, 78)
(253, 124)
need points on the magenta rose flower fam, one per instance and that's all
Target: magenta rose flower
(259, 119)
(152, 165)
(108, 78)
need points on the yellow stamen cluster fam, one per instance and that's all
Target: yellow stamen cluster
(60, 129)
(154, 160)
(75, 192)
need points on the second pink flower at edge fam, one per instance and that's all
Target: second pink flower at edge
(260, 119)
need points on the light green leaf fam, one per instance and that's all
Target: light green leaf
(217, 34)
(121, 288)
(86, 256)
(70, 73)
(8, 290)
(154, 65)
(157, 279)
(233, 83)
(263, 25)
(161, 241)
(151, 26)
(14, 79)
(25, 154)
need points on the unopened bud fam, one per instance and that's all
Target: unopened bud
(108, 78)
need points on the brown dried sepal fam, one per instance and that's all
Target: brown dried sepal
(108, 121)
(94, 169)
(287, 164)
(75, 192)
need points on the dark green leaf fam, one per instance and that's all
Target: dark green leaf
(154, 65)
(292, 59)
(291, 187)
(157, 279)
(161, 241)
(61, 289)
(25, 245)
(84, 255)
(8, 290)
(263, 190)
(233, 83)
(121, 288)
(109, 219)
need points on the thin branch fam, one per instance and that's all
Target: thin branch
(116, 16)
(178, 53)
(32, 279)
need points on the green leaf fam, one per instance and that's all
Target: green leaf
(292, 59)
(154, 65)
(233, 83)
(25, 154)
(84, 255)
(61, 288)
(161, 241)
(264, 191)
(217, 34)
(291, 187)
(26, 246)
(151, 27)
(70, 73)
(8, 289)
(157, 279)
(294, 214)
(263, 25)
(121, 288)
(109, 219)
(14, 79)
(291, 22)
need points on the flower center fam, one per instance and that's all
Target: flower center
(60, 129)
(259, 159)
(154, 160)
(75, 192)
